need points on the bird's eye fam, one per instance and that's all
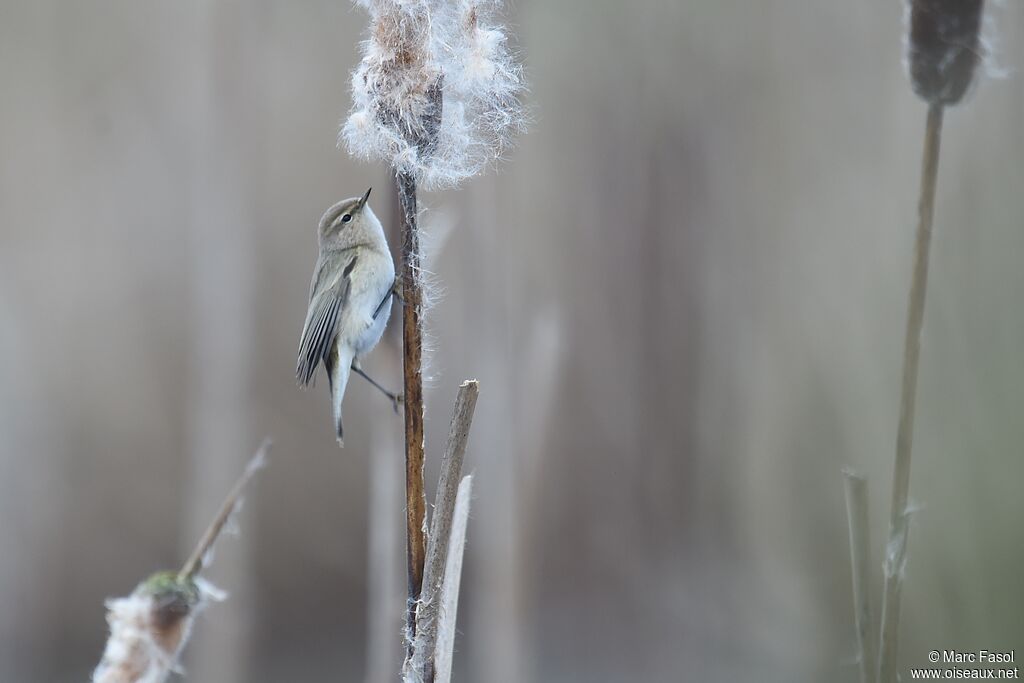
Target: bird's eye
(346, 218)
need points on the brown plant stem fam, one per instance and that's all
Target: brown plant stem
(856, 488)
(194, 564)
(412, 348)
(896, 548)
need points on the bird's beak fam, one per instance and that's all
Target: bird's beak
(362, 202)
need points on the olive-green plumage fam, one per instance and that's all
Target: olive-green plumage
(354, 273)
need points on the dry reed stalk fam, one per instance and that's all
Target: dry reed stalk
(449, 600)
(422, 659)
(899, 523)
(856, 488)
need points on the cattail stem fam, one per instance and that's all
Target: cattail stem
(412, 345)
(194, 564)
(856, 488)
(896, 548)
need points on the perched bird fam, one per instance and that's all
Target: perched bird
(349, 298)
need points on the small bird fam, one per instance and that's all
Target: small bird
(349, 298)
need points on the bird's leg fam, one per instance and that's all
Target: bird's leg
(395, 291)
(381, 304)
(395, 398)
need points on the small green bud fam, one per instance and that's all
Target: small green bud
(174, 596)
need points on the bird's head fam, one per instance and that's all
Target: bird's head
(350, 223)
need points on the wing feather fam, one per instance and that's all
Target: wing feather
(325, 309)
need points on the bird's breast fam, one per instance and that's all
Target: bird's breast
(361, 329)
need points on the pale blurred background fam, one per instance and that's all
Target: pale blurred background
(682, 294)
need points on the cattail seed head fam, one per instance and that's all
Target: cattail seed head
(436, 94)
(943, 47)
(149, 628)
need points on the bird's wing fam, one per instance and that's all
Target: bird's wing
(326, 301)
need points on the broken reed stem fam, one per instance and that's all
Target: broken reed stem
(412, 347)
(446, 620)
(856, 488)
(194, 564)
(896, 548)
(422, 660)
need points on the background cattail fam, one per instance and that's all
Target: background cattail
(942, 53)
(943, 47)
(149, 628)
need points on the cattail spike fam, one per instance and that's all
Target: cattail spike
(437, 92)
(943, 48)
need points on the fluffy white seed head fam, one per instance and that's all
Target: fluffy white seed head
(437, 93)
(149, 628)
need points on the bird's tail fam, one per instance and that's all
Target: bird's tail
(340, 370)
